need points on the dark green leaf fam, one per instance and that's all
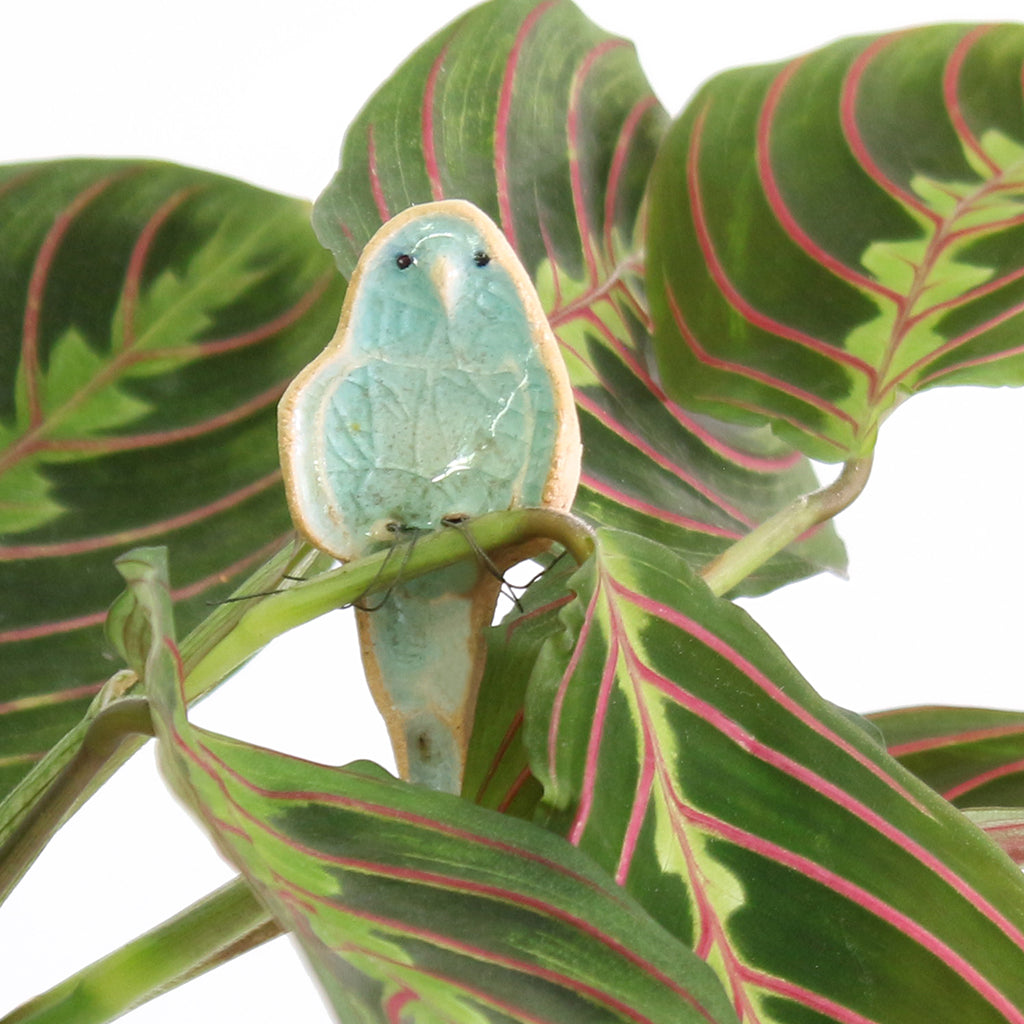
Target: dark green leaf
(974, 757)
(760, 825)
(497, 769)
(150, 316)
(548, 124)
(408, 901)
(831, 234)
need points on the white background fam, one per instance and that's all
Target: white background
(264, 91)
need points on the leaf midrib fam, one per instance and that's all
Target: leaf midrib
(35, 440)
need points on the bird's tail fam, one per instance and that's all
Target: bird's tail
(423, 651)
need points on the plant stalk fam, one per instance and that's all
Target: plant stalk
(222, 925)
(281, 611)
(736, 563)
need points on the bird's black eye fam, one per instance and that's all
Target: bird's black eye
(480, 258)
(404, 261)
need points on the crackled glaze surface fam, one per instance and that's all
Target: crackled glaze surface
(435, 398)
(442, 394)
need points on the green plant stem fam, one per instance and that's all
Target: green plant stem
(296, 559)
(745, 556)
(279, 612)
(217, 928)
(105, 734)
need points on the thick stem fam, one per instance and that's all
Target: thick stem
(212, 931)
(279, 612)
(736, 563)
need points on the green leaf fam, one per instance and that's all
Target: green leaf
(547, 123)
(497, 770)
(760, 825)
(150, 317)
(408, 901)
(1004, 826)
(832, 234)
(974, 757)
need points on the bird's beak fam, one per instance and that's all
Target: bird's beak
(445, 277)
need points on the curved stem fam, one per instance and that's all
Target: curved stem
(278, 612)
(736, 563)
(94, 748)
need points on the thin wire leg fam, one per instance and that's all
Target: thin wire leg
(396, 529)
(459, 523)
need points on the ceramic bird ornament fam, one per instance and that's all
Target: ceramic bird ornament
(442, 396)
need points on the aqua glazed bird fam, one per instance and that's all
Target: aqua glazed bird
(442, 396)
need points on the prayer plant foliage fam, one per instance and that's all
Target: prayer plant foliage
(660, 820)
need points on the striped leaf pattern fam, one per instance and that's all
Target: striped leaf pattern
(498, 769)
(974, 757)
(411, 904)
(1004, 826)
(834, 233)
(150, 317)
(755, 821)
(548, 124)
